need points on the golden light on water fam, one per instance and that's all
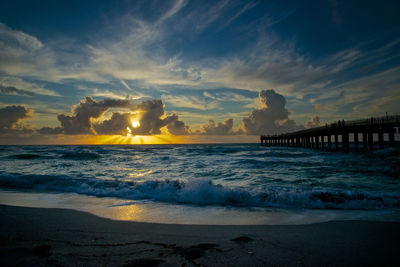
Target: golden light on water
(128, 213)
(130, 139)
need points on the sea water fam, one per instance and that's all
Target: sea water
(204, 184)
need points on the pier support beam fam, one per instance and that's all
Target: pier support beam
(380, 139)
(317, 141)
(345, 141)
(329, 142)
(370, 141)
(336, 142)
(391, 137)
(322, 142)
(365, 142)
(356, 141)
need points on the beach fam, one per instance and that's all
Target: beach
(62, 237)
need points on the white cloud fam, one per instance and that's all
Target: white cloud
(18, 39)
(189, 102)
(228, 97)
(23, 54)
(271, 118)
(176, 7)
(27, 86)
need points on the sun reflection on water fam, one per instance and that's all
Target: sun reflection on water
(135, 139)
(129, 213)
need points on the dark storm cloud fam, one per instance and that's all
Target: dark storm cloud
(271, 118)
(176, 126)
(10, 90)
(10, 118)
(83, 113)
(117, 124)
(49, 130)
(150, 115)
(221, 128)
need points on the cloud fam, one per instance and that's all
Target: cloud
(321, 106)
(10, 90)
(190, 102)
(109, 94)
(246, 7)
(50, 130)
(17, 39)
(10, 120)
(23, 54)
(271, 118)
(117, 125)
(87, 118)
(314, 122)
(150, 116)
(221, 128)
(176, 126)
(178, 5)
(83, 113)
(228, 97)
(25, 87)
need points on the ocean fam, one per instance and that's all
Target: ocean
(204, 183)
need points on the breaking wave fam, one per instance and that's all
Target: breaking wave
(204, 192)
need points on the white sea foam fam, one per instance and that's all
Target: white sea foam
(209, 175)
(204, 192)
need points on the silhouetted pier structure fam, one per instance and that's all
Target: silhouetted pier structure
(367, 134)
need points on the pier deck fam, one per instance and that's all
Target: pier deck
(366, 134)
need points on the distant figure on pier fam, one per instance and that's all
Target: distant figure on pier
(339, 124)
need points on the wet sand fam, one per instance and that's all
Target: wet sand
(60, 237)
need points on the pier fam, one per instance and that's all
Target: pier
(365, 134)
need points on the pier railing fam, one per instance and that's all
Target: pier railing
(316, 137)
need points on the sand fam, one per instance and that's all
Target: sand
(60, 237)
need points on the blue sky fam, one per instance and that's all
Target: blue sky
(206, 60)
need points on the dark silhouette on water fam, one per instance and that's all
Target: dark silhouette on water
(316, 137)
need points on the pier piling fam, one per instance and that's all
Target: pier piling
(383, 127)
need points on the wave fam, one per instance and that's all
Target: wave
(25, 156)
(391, 152)
(80, 155)
(72, 155)
(204, 192)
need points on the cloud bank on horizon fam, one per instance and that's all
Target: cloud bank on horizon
(195, 67)
(149, 118)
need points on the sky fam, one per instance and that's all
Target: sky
(127, 72)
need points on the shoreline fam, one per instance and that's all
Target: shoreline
(169, 213)
(48, 236)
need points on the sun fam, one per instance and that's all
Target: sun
(135, 124)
